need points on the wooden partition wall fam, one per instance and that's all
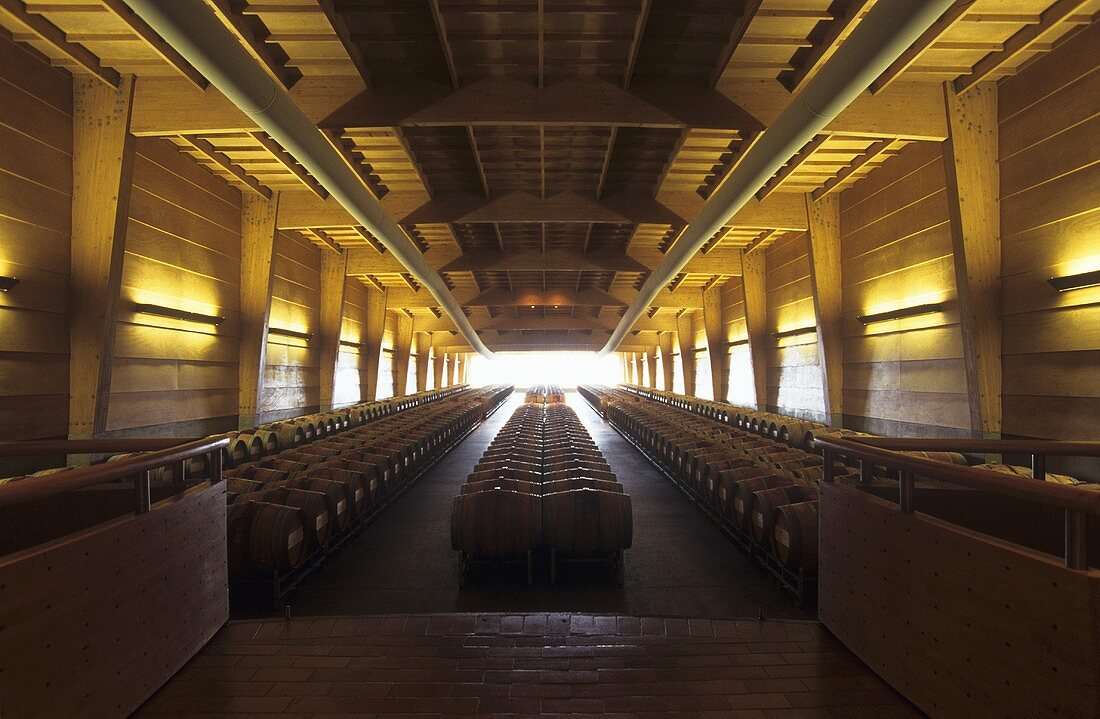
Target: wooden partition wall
(962, 624)
(95, 622)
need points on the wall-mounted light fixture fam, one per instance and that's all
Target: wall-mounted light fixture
(902, 313)
(1075, 282)
(797, 331)
(349, 343)
(288, 333)
(738, 343)
(6, 283)
(161, 311)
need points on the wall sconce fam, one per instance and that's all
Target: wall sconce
(798, 331)
(349, 343)
(6, 283)
(1075, 282)
(289, 333)
(175, 314)
(902, 313)
(738, 343)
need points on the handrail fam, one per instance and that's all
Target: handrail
(984, 446)
(1056, 495)
(45, 486)
(1077, 503)
(89, 446)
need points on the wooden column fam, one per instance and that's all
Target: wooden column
(464, 369)
(103, 160)
(374, 325)
(651, 364)
(423, 358)
(754, 282)
(717, 349)
(402, 347)
(333, 281)
(970, 156)
(685, 337)
(824, 222)
(438, 366)
(624, 359)
(452, 369)
(667, 342)
(639, 375)
(257, 273)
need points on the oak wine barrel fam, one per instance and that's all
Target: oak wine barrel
(265, 540)
(587, 522)
(794, 535)
(336, 496)
(311, 505)
(764, 503)
(496, 524)
(742, 497)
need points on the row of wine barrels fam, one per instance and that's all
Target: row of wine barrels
(330, 483)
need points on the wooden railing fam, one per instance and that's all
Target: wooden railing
(158, 453)
(1078, 504)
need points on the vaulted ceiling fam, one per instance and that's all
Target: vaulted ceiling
(544, 155)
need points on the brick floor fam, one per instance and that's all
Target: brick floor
(525, 665)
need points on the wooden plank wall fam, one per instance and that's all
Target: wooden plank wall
(385, 366)
(183, 242)
(741, 390)
(292, 376)
(1049, 128)
(347, 390)
(95, 622)
(794, 383)
(904, 377)
(703, 387)
(962, 624)
(36, 178)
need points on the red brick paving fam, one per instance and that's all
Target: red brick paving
(522, 665)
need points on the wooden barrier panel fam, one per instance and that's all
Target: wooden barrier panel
(962, 624)
(92, 624)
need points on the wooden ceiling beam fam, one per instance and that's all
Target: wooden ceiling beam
(497, 101)
(952, 17)
(222, 160)
(53, 36)
(749, 10)
(287, 160)
(444, 43)
(1019, 42)
(876, 149)
(826, 37)
(156, 43)
(254, 38)
(636, 43)
(787, 170)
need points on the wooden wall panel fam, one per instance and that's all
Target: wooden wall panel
(739, 362)
(117, 609)
(905, 376)
(350, 360)
(183, 251)
(36, 169)
(794, 379)
(1049, 125)
(292, 376)
(704, 387)
(960, 623)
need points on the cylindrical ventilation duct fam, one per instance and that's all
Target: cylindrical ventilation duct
(887, 30)
(193, 29)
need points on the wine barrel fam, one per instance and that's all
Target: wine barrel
(238, 486)
(564, 485)
(587, 522)
(496, 524)
(579, 473)
(336, 496)
(312, 508)
(741, 492)
(265, 540)
(794, 535)
(730, 477)
(1026, 473)
(795, 432)
(355, 481)
(288, 433)
(946, 457)
(763, 504)
(510, 485)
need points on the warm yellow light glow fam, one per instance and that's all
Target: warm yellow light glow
(524, 369)
(1072, 267)
(917, 322)
(197, 304)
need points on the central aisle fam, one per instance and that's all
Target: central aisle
(680, 565)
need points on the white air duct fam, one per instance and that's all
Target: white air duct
(887, 30)
(193, 29)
